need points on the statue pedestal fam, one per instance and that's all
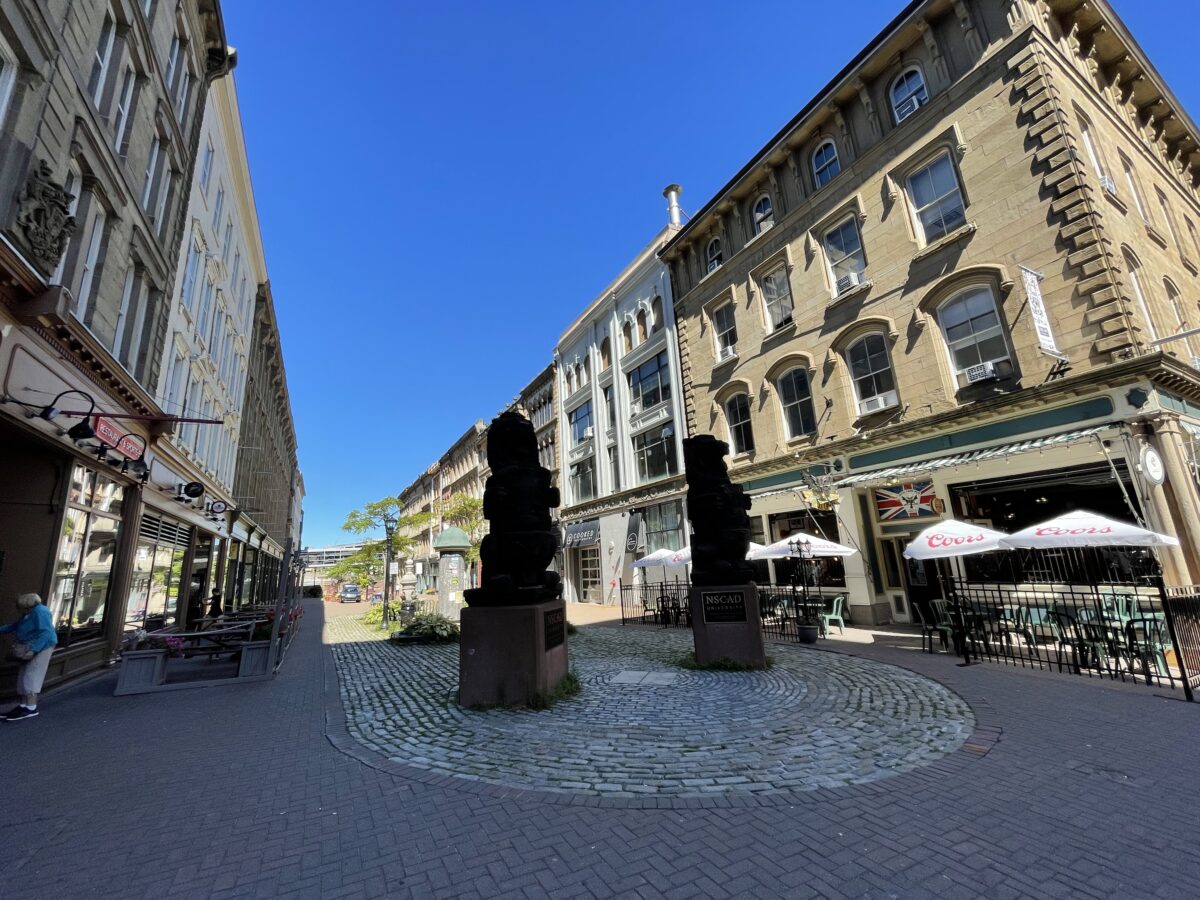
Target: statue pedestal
(726, 625)
(509, 654)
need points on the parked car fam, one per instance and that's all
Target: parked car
(349, 594)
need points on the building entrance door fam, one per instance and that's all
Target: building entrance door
(921, 585)
(588, 587)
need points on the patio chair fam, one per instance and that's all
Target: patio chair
(1146, 642)
(834, 615)
(650, 609)
(936, 621)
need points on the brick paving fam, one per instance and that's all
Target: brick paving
(1067, 788)
(643, 726)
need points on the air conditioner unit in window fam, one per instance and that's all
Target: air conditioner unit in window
(587, 433)
(849, 280)
(907, 108)
(727, 352)
(1108, 184)
(982, 372)
(876, 403)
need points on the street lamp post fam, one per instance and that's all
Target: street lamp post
(803, 550)
(389, 528)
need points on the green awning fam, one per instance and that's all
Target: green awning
(911, 470)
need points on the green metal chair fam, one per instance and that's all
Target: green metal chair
(834, 615)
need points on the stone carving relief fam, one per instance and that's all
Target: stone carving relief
(44, 217)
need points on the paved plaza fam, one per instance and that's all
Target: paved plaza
(1063, 787)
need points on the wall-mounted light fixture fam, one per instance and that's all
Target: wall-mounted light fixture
(81, 430)
(138, 465)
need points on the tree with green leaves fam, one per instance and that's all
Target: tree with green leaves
(466, 512)
(364, 568)
(371, 518)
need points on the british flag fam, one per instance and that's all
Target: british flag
(905, 501)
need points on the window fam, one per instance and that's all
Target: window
(580, 419)
(971, 325)
(627, 337)
(654, 453)
(650, 383)
(610, 407)
(737, 414)
(206, 166)
(843, 249)
(1139, 295)
(131, 323)
(664, 526)
(1089, 146)
(1169, 220)
(173, 61)
(583, 480)
(1131, 181)
(725, 330)
(908, 94)
(151, 172)
(777, 297)
(124, 102)
(8, 77)
(713, 255)
(80, 592)
(763, 215)
(91, 261)
(206, 299)
(148, 8)
(937, 200)
(101, 60)
(795, 396)
(165, 189)
(218, 207)
(1181, 323)
(871, 372)
(181, 97)
(173, 400)
(641, 326)
(73, 186)
(656, 314)
(188, 290)
(590, 590)
(825, 163)
(614, 470)
(1193, 237)
(227, 242)
(605, 354)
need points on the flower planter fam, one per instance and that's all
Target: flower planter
(256, 659)
(808, 633)
(141, 671)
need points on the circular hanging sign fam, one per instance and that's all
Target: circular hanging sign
(219, 506)
(193, 489)
(1152, 465)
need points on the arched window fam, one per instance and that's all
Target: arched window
(656, 313)
(641, 325)
(763, 214)
(713, 254)
(974, 335)
(1182, 347)
(737, 414)
(825, 163)
(1135, 282)
(871, 373)
(587, 370)
(908, 94)
(795, 397)
(605, 354)
(627, 336)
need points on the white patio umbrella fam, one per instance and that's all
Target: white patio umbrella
(953, 538)
(680, 557)
(657, 558)
(782, 549)
(1086, 529)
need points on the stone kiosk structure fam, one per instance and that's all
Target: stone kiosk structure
(450, 546)
(723, 597)
(513, 643)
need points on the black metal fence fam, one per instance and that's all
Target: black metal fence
(1107, 630)
(1182, 606)
(782, 609)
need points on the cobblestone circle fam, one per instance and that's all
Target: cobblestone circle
(814, 720)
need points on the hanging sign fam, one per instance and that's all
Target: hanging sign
(633, 534)
(1037, 308)
(1152, 465)
(110, 433)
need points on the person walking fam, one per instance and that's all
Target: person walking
(35, 642)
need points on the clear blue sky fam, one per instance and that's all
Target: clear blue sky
(442, 187)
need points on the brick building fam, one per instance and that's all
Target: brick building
(960, 282)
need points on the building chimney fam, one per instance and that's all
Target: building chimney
(674, 213)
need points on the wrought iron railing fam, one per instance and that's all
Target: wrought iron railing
(1182, 606)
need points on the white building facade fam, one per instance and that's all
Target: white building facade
(621, 416)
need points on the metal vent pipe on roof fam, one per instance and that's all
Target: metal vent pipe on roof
(674, 213)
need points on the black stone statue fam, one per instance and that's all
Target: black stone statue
(717, 509)
(517, 500)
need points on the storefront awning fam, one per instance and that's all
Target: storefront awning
(582, 534)
(910, 470)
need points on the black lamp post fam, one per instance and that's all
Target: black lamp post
(389, 528)
(802, 549)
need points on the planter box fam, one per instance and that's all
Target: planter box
(256, 659)
(141, 671)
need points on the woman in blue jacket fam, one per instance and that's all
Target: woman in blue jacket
(35, 641)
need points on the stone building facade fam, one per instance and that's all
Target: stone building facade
(621, 409)
(100, 114)
(960, 282)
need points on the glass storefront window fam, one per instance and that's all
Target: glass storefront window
(86, 556)
(589, 575)
(664, 526)
(140, 586)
